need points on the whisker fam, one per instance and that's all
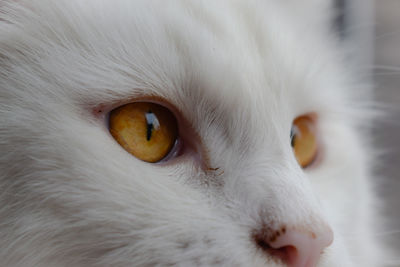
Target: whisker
(386, 34)
(386, 73)
(389, 263)
(386, 67)
(396, 232)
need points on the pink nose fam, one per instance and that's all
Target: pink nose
(297, 248)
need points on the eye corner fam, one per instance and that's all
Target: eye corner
(98, 111)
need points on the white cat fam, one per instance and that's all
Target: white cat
(248, 109)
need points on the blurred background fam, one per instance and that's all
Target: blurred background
(387, 132)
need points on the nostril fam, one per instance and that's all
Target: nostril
(285, 254)
(293, 247)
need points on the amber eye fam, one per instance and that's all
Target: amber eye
(146, 130)
(304, 140)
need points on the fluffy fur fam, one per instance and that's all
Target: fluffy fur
(238, 71)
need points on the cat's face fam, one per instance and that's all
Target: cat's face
(235, 75)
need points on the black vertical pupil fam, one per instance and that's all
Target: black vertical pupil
(150, 126)
(292, 136)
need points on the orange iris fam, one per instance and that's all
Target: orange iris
(304, 140)
(146, 130)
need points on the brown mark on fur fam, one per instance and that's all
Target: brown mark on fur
(267, 235)
(184, 244)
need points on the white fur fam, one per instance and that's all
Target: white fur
(238, 71)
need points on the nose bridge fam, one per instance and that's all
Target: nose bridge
(300, 207)
(275, 186)
(291, 225)
(286, 192)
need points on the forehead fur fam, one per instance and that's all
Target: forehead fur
(188, 52)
